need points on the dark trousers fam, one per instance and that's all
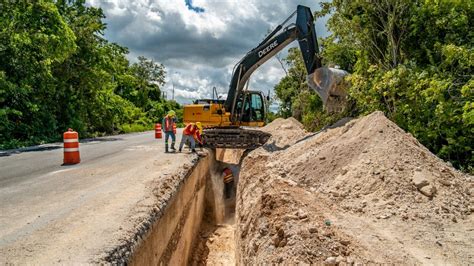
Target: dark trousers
(228, 189)
(169, 134)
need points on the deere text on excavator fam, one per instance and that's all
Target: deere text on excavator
(226, 121)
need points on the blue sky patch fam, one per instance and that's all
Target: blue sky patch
(189, 4)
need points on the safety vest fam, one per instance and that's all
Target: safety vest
(168, 124)
(228, 177)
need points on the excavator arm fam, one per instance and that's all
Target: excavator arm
(303, 31)
(325, 81)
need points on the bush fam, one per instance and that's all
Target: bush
(129, 128)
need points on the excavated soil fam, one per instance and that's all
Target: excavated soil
(284, 132)
(365, 192)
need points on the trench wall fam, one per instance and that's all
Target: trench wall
(171, 238)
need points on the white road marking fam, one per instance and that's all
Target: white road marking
(60, 171)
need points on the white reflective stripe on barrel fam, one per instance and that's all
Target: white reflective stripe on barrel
(71, 149)
(70, 140)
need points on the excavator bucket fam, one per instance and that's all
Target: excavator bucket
(331, 87)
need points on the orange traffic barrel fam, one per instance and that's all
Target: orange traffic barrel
(71, 147)
(158, 131)
(174, 128)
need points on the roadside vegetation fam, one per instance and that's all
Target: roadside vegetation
(413, 60)
(58, 71)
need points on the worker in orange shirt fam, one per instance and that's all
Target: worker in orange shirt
(190, 132)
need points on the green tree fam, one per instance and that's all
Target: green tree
(58, 71)
(290, 85)
(149, 76)
(411, 59)
(33, 38)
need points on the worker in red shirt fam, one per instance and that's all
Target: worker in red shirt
(190, 132)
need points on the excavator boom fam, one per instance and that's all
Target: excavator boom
(237, 109)
(277, 40)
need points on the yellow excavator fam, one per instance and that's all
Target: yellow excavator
(226, 122)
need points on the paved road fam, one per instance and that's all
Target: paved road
(51, 213)
(17, 166)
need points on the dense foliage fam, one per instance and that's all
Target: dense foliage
(413, 60)
(58, 71)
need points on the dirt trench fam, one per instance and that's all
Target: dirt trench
(215, 243)
(196, 226)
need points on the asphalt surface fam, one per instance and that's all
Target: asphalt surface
(51, 213)
(28, 164)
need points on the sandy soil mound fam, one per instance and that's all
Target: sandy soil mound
(285, 132)
(364, 192)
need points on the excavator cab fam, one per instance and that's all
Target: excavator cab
(250, 108)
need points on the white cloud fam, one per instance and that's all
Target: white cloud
(199, 49)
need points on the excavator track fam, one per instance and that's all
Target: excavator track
(234, 138)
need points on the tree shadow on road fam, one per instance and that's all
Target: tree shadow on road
(48, 147)
(29, 149)
(99, 140)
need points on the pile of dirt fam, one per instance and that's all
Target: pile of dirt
(285, 132)
(365, 192)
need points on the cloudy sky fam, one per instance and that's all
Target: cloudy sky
(200, 41)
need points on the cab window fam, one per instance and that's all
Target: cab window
(257, 107)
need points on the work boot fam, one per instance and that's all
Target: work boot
(179, 150)
(172, 147)
(166, 149)
(193, 150)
